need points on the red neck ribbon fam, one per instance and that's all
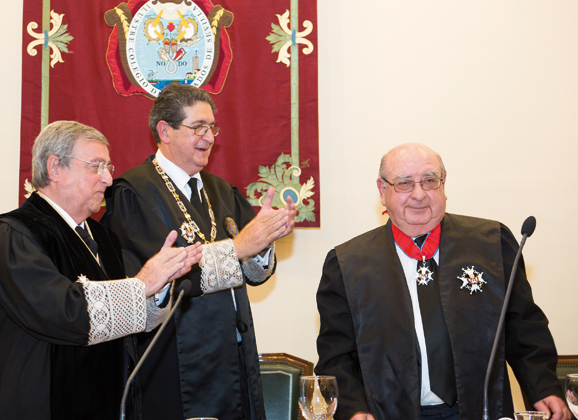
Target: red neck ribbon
(408, 246)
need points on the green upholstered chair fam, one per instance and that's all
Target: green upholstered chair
(565, 365)
(280, 374)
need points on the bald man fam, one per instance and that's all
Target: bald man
(409, 310)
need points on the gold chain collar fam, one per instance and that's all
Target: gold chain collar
(189, 227)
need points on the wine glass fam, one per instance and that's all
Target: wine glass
(318, 397)
(572, 392)
(530, 415)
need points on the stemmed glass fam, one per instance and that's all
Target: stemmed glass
(530, 415)
(572, 392)
(318, 397)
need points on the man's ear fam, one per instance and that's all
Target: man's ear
(381, 189)
(54, 168)
(165, 131)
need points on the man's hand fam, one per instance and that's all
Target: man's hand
(555, 407)
(168, 264)
(266, 227)
(363, 416)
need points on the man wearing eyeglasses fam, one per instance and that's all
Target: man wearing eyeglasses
(61, 314)
(409, 310)
(206, 364)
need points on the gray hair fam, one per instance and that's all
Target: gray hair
(169, 105)
(382, 165)
(58, 139)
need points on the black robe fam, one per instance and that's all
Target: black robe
(367, 337)
(194, 368)
(45, 370)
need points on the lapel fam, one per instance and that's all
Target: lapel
(396, 290)
(77, 254)
(108, 251)
(381, 306)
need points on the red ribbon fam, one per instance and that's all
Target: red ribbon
(408, 246)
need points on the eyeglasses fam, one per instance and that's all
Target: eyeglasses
(201, 129)
(407, 185)
(99, 167)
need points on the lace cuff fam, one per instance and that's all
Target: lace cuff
(221, 268)
(115, 308)
(155, 314)
(255, 271)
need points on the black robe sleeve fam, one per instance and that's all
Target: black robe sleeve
(336, 343)
(34, 295)
(141, 240)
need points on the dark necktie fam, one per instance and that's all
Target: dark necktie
(91, 243)
(439, 352)
(196, 202)
(195, 198)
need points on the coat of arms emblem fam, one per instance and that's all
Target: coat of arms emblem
(160, 42)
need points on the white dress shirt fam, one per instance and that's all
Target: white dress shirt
(410, 270)
(181, 180)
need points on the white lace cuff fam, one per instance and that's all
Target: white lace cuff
(221, 268)
(155, 314)
(115, 308)
(255, 271)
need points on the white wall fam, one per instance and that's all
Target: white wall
(491, 85)
(10, 104)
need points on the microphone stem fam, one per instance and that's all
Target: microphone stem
(501, 325)
(146, 353)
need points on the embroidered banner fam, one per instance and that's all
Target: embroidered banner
(103, 62)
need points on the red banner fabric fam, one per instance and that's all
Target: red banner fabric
(263, 77)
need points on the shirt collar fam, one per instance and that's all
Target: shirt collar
(61, 211)
(177, 174)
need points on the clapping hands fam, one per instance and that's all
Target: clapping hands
(269, 225)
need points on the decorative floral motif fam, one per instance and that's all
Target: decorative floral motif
(284, 174)
(28, 187)
(57, 38)
(285, 180)
(282, 38)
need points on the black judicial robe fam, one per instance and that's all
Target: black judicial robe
(194, 368)
(45, 372)
(367, 337)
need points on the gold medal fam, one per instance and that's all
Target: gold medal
(231, 227)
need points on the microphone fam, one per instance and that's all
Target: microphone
(183, 290)
(528, 228)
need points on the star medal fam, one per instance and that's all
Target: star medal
(423, 274)
(472, 279)
(231, 227)
(188, 233)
